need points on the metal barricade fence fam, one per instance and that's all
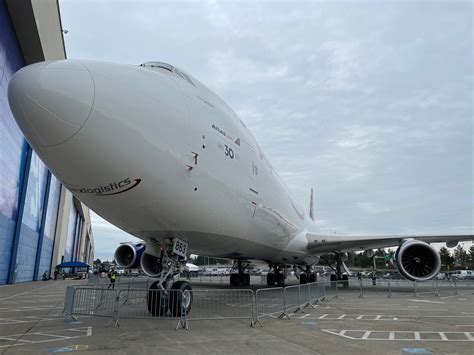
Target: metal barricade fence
(293, 302)
(121, 281)
(68, 308)
(317, 292)
(425, 288)
(133, 303)
(303, 296)
(155, 303)
(270, 302)
(129, 301)
(389, 286)
(222, 304)
(94, 301)
(371, 286)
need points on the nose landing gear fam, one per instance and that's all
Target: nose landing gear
(167, 298)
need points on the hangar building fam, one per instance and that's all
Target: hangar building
(41, 223)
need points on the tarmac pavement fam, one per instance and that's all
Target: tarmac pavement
(31, 322)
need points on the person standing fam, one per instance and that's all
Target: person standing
(112, 276)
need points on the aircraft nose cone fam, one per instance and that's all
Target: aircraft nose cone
(51, 101)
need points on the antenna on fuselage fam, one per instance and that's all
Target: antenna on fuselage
(311, 209)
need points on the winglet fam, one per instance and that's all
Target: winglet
(311, 212)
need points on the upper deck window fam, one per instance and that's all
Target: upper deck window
(169, 68)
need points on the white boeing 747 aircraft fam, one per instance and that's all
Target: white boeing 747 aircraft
(155, 152)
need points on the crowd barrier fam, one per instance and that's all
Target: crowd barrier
(135, 300)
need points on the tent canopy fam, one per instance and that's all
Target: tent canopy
(73, 264)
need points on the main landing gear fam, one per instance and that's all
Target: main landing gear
(338, 277)
(307, 275)
(167, 298)
(277, 276)
(240, 278)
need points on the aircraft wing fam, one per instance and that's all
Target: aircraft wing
(324, 243)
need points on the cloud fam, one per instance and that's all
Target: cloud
(227, 69)
(107, 237)
(372, 208)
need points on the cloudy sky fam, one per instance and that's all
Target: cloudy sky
(369, 102)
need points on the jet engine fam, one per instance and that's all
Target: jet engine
(417, 260)
(151, 265)
(129, 254)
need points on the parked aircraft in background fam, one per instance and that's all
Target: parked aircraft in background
(155, 152)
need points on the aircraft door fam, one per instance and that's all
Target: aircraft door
(252, 183)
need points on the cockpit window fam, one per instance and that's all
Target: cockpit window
(170, 68)
(158, 65)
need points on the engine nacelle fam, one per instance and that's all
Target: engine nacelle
(452, 244)
(369, 253)
(150, 264)
(129, 254)
(417, 260)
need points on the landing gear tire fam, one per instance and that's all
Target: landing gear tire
(280, 280)
(180, 303)
(240, 280)
(159, 302)
(156, 300)
(270, 279)
(245, 279)
(303, 278)
(234, 279)
(312, 278)
(277, 279)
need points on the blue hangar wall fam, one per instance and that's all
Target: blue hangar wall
(29, 193)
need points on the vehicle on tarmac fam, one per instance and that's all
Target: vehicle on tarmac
(155, 152)
(461, 274)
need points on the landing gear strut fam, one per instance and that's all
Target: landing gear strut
(165, 296)
(338, 276)
(277, 276)
(307, 275)
(240, 278)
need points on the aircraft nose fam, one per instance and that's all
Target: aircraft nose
(51, 101)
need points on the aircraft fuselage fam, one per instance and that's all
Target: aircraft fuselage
(158, 154)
